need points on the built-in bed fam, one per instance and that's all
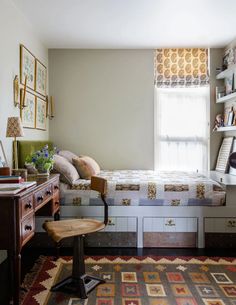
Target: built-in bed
(150, 209)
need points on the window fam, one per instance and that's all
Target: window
(181, 128)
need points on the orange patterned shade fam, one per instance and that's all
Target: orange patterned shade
(181, 67)
(14, 127)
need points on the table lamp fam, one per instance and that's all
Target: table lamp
(14, 129)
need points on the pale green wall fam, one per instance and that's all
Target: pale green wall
(104, 105)
(14, 29)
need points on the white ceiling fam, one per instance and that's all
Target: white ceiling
(131, 23)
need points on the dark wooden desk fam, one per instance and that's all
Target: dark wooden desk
(17, 221)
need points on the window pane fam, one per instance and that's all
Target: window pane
(182, 128)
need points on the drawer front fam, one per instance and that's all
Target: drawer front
(26, 204)
(27, 228)
(55, 186)
(43, 195)
(221, 225)
(169, 224)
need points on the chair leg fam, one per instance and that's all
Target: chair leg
(79, 282)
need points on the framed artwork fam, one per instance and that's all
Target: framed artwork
(41, 78)
(3, 159)
(223, 155)
(41, 111)
(27, 67)
(27, 113)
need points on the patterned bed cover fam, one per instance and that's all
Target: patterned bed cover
(147, 188)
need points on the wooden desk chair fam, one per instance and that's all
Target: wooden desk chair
(79, 282)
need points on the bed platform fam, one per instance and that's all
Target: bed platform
(164, 210)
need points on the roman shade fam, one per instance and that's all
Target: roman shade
(181, 67)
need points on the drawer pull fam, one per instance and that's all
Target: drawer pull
(28, 228)
(56, 187)
(40, 198)
(231, 224)
(57, 202)
(170, 223)
(49, 193)
(28, 205)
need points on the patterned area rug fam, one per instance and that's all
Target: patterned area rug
(138, 281)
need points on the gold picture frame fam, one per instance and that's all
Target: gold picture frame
(27, 67)
(40, 78)
(41, 114)
(28, 113)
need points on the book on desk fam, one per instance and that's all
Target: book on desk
(14, 188)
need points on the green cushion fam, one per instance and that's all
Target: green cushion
(26, 148)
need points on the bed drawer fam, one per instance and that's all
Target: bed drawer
(169, 224)
(221, 225)
(171, 232)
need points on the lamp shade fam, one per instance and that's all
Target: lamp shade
(14, 127)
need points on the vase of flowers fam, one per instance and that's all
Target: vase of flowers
(42, 160)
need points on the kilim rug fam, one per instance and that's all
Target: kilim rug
(139, 281)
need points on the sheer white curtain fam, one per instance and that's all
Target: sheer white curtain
(181, 128)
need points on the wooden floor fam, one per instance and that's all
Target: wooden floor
(30, 255)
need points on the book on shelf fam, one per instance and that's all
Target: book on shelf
(14, 188)
(11, 179)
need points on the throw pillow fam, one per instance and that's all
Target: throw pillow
(86, 167)
(68, 155)
(67, 171)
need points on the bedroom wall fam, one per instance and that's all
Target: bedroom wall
(14, 29)
(104, 105)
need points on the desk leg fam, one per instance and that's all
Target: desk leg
(15, 261)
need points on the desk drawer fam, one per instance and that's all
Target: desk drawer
(27, 228)
(26, 205)
(43, 195)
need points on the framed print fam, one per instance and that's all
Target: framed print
(27, 113)
(41, 109)
(41, 78)
(3, 159)
(223, 155)
(27, 67)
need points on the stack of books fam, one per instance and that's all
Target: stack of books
(11, 179)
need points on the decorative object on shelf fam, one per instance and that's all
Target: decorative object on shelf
(41, 109)
(5, 171)
(220, 92)
(27, 67)
(14, 129)
(223, 155)
(41, 78)
(3, 159)
(228, 85)
(27, 113)
(50, 107)
(42, 160)
(232, 160)
(230, 119)
(219, 121)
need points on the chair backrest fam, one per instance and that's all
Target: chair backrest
(100, 185)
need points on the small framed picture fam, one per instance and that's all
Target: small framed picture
(222, 163)
(27, 67)
(3, 159)
(230, 119)
(41, 78)
(27, 113)
(41, 111)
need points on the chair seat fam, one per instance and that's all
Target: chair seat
(61, 229)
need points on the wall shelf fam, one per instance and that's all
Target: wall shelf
(227, 98)
(226, 73)
(226, 128)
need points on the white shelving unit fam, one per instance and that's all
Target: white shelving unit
(226, 73)
(227, 98)
(226, 128)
